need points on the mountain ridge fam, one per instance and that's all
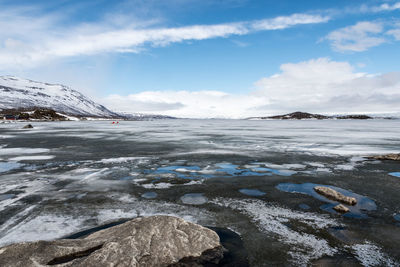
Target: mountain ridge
(19, 93)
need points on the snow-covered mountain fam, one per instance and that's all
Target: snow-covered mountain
(16, 93)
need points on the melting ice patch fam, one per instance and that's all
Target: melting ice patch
(94, 175)
(121, 159)
(194, 199)
(371, 255)
(157, 186)
(273, 220)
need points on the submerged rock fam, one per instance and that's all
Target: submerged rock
(341, 208)
(151, 241)
(335, 195)
(392, 156)
(28, 126)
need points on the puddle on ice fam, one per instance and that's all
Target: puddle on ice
(8, 166)
(194, 199)
(395, 174)
(363, 203)
(216, 170)
(6, 196)
(304, 206)
(252, 192)
(149, 195)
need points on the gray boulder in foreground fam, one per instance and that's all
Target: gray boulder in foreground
(148, 241)
(335, 195)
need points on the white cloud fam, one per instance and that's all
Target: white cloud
(381, 8)
(318, 85)
(28, 38)
(284, 22)
(395, 33)
(200, 104)
(358, 37)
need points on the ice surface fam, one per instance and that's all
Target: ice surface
(273, 220)
(252, 192)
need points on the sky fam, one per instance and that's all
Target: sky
(210, 58)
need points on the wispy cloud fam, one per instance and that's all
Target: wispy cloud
(395, 32)
(358, 37)
(30, 39)
(284, 22)
(381, 8)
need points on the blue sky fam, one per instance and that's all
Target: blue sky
(210, 58)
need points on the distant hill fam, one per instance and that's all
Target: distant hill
(298, 115)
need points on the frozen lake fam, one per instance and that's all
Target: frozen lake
(253, 177)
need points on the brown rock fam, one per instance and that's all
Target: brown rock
(386, 157)
(334, 195)
(151, 241)
(341, 208)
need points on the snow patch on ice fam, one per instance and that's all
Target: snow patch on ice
(157, 186)
(22, 151)
(121, 159)
(345, 167)
(22, 158)
(94, 175)
(43, 227)
(272, 219)
(371, 255)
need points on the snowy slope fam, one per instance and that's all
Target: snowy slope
(22, 93)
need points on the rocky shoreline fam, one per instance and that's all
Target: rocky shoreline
(298, 115)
